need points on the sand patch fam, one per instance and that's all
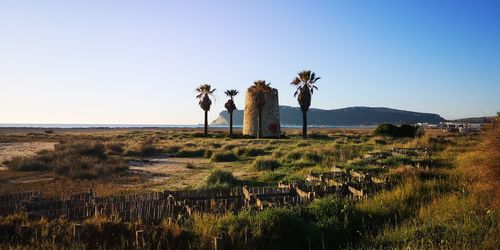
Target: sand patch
(9, 150)
(161, 169)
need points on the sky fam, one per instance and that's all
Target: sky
(139, 62)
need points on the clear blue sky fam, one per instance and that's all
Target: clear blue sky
(139, 61)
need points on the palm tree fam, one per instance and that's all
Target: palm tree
(230, 107)
(305, 88)
(204, 91)
(260, 88)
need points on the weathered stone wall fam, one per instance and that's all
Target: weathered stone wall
(270, 115)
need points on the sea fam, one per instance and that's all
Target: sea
(48, 125)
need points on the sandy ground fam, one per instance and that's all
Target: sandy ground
(9, 150)
(160, 171)
(171, 171)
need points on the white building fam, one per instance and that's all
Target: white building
(460, 127)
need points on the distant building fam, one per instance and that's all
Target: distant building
(427, 125)
(460, 127)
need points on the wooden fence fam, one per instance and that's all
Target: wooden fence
(153, 207)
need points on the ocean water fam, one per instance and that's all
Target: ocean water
(46, 125)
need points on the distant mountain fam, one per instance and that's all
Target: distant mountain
(352, 116)
(484, 119)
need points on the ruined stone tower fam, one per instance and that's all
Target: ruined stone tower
(270, 115)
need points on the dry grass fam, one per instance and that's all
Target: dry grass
(481, 167)
(434, 207)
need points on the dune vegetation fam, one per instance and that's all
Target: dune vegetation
(446, 198)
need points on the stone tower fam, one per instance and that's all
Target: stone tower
(270, 115)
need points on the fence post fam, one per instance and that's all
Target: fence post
(139, 239)
(218, 243)
(77, 231)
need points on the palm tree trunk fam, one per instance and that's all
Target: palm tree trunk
(231, 124)
(259, 125)
(205, 131)
(304, 125)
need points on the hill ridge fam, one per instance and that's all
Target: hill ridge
(348, 116)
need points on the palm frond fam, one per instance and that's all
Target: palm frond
(315, 79)
(305, 75)
(204, 89)
(231, 92)
(296, 81)
(260, 86)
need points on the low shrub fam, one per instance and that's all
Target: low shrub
(222, 156)
(78, 159)
(20, 163)
(80, 149)
(273, 176)
(115, 148)
(171, 149)
(218, 178)
(404, 130)
(293, 155)
(197, 152)
(312, 157)
(144, 148)
(274, 228)
(249, 151)
(266, 163)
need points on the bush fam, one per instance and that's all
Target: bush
(273, 176)
(223, 156)
(312, 157)
(172, 149)
(114, 148)
(265, 163)
(145, 148)
(81, 148)
(19, 163)
(274, 228)
(331, 215)
(198, 152)
(221, 178)
(404, 130)
(79, 159)
(249, 151)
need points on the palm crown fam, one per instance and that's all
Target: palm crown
(260, 87)
(204, 91)
(305, 87)
(230, 106)
(231, 93)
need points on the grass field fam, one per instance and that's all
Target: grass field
(446, 198)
